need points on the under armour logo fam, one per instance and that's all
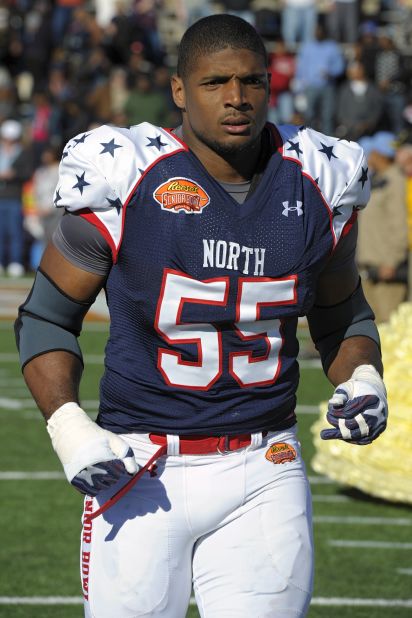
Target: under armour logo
(286, 208)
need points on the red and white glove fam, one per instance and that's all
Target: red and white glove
(358, 409)
(93, 458)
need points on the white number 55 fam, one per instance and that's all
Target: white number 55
(253, 293)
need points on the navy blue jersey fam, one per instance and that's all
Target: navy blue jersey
(204, 293)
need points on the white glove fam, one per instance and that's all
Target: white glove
(358, 408)
(93, 458)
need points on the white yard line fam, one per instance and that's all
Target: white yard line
(320, 480)
(366, 521)
(342, 601)
(323, 601)
(13, 475)
(28, 404)
(370, 544)
(404, 571)
(41, 601)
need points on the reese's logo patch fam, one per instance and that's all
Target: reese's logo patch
(280, 453)
(181, 195)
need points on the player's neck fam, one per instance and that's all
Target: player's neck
(228, 167)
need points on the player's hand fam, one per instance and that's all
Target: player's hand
(93, 458)
(358, 409)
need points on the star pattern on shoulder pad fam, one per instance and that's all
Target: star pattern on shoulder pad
(66, 152)
(336, 212)
(364, 176)
(327, 150)
(295, 147)
(80, 140)
(109, 147)
(156, 142)
(115, 204)
(57, 198)
(81, 183)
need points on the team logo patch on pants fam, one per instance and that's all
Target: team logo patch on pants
(280, 453)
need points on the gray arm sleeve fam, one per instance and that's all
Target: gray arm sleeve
(48, 321)
(330, 325)
(82, 244)
(344, 253)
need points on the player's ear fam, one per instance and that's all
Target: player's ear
(178, 92)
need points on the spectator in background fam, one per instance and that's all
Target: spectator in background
(107, 99)
(391, 77)
(15, 168)
(37, 41)
(367, 47)
(43, 217)
(41, 124)
(298, 21)
(60, 87)
(145, 104)
(359, 104)
(82, 36)
(189, 11)
(105, 10)
(342, 20)
(161, 84)
(61, 18)
(319, 64)
(8, 98)
(73, 119)
(146, 19)
(93, 72)
(240, 8)
(282, 67)
(382, 251)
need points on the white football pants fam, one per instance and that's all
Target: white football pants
(235, 525)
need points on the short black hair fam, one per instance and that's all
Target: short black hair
(214, 33)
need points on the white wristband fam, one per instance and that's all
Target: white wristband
(79, 442)
(368, 373)
(68, 427)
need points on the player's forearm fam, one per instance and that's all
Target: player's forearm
(53, 379)
(353, 352)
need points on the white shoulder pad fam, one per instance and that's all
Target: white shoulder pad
(337, 167)
(100, 169)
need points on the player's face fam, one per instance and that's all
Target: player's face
(224, 101)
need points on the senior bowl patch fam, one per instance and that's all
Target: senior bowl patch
(181, 195)
(280, 453)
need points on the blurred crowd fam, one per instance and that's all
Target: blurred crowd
(343, 67)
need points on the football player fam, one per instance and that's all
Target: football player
(210, 241)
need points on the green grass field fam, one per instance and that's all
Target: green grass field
(40, 518)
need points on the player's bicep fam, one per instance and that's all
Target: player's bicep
(76, 282)
(340, 277)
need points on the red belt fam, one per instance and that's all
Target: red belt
(202, 445)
